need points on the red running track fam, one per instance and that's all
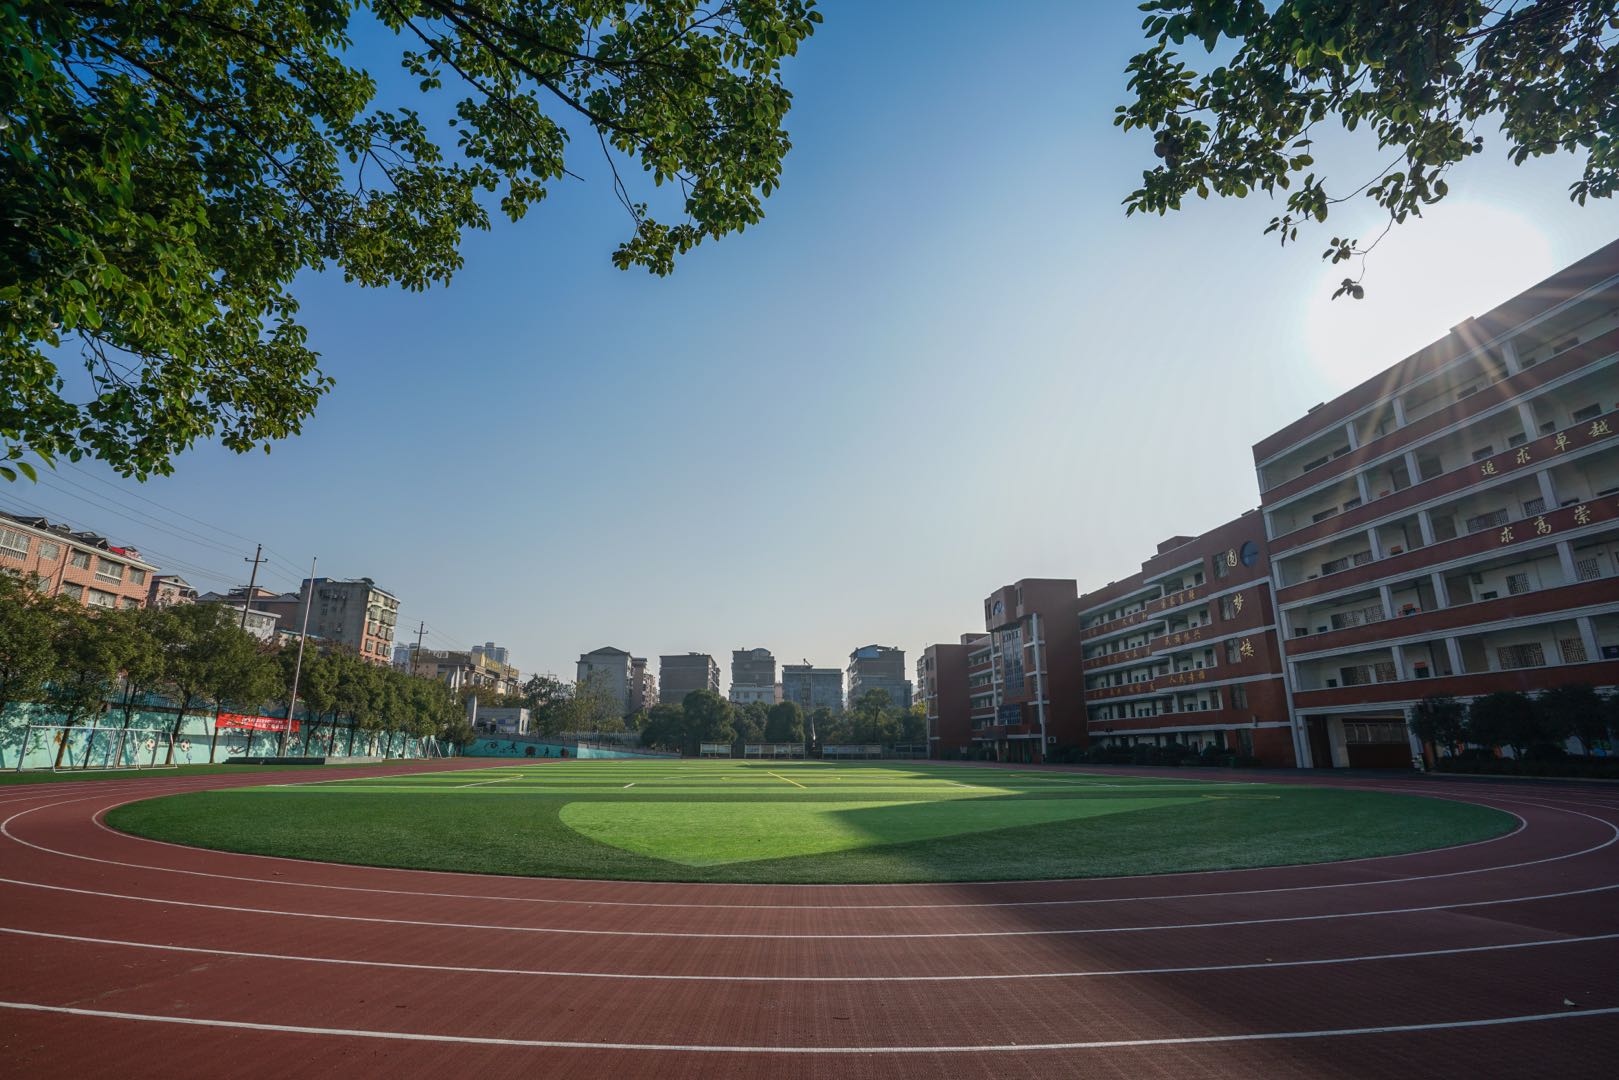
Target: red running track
(128, 957)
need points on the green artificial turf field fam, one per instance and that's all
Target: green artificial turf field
(805, 822)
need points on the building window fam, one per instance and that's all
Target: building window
(1588, 569)
(107, 570)
(1573, 650)
(128, 602)
(72, 591)
(1521, 656)
(1233, 651)
(102, 599)
(1486, 521)
(14, 543)
(1239, 697)
(1228, 610)
(1586, 413)
(137, 576)
(1534, 506)
(49, 552)
(1517, 583)
(80, 560)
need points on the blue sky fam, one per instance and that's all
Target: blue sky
(946, 360)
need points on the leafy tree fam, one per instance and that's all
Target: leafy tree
(1422, 76)
(548, 702)
(89, 653)
(707, 718)
(819, 723)
(785, 723)
(749, 721)
(913, 724)
(210, 660)
(873, 718)
(1574, 710)
(665, 727)
(593, 707)
(1440, 720)
(28, 623)
(168, 168)
(1504, 718)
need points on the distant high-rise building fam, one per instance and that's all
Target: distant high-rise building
(753, 677)
(498, 653)
(942, 688)
(643, 685)
(354, 613)
(812, 687)
(680, 674)
(614, 671)
(879, 667)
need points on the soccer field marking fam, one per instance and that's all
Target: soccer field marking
(700, 1048)
(795, 783)
(631, 976)
(496, 780)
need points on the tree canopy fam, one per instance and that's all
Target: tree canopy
(1430, 79)
(168, 168)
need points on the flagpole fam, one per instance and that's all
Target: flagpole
(298, 667)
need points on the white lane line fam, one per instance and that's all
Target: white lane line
(5, 829)
(1082, 931)
(990, 1048)
(629, 785)
(654, 977)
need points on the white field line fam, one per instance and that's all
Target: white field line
(986, 1048)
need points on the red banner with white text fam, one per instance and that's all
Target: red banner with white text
(255, 723)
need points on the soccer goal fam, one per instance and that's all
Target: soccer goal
(84, 747)
(714, 749)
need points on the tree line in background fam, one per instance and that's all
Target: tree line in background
(1537, 728)
(82, 664)
(587, 706)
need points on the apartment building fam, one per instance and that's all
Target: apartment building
(261, 624)
(1186, 652)
(614, 671)
(462, 670)
(498, 653)
(879, 667)
(941, 687)
(753, 677)
(1451, 526)
(812, 687)
(167, 590)
(82, 566)
(680, 674)
(1024, 683)
(643, 686)
(354, 612)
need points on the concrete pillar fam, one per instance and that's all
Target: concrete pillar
(1588, 634)
(1362, 487)
(1398, 405)
(1349, 433)
(1411, 469)
(1526, 414)
(1547, 491)
(1425, 524)
(1509, 354)
(1441, 591)
(1454, 649)
(1400, 671)
(1376, 546)
(1386, 595)
(1565, 558)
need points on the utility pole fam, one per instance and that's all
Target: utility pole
(252, 582)
(416, 656)
(298, 667)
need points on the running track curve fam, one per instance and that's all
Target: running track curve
(122, 956)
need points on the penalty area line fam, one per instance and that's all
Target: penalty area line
(784, 780)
